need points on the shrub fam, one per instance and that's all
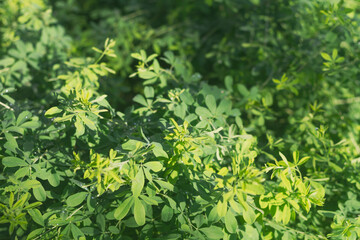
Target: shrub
(263, 146)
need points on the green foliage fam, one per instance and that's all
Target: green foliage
(120, 137)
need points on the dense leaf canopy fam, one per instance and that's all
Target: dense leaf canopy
(191, 119)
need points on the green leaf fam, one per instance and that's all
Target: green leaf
(243, 90)
(249, 216)
(114, 230)
(165, 185)
(303, 160)
(285, 181)
(76, 199)
(39, 193)
(211, 103)
(31, 183)
(140, 99)
(91, 203)
(159, 151)
(250, 233)
(7, 61)
(148, 175)
(254, 188)
(64, 118)
(54, 179)
(203, 112)
(124, 208)
(89, 123)
(149, 200)
(11, 199)
(325, 56)
(76, 232)
(31, 124)
(224, 107)
(32, 205)
(151, 57)
(136, 56)
(154, 165)
(22, 172)
(52, 111)
(149, 92)
(335, 167)
(11, 143)
(221, 208)
(34, 233)
(131, 144)
(100, 221)
(213, 215)
(139, 212)
(180, 110)
(23, 116)
(14, 162)
(36, 216)
(334, 54)
(147, 75)
(235, 206)
(80, 129)
(267, 99)
(286, 214)
(99, 99)
(156, 66)
(230, 222)
(284, 158)
(138, 183)
(19, 130)
(229, 83)
(166, 213)
(213, 232)
(187, 98)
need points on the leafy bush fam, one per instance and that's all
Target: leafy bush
(265, 145)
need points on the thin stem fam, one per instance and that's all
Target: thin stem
(6, 106)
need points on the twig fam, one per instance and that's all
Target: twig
(72, 214)
(6, 106)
